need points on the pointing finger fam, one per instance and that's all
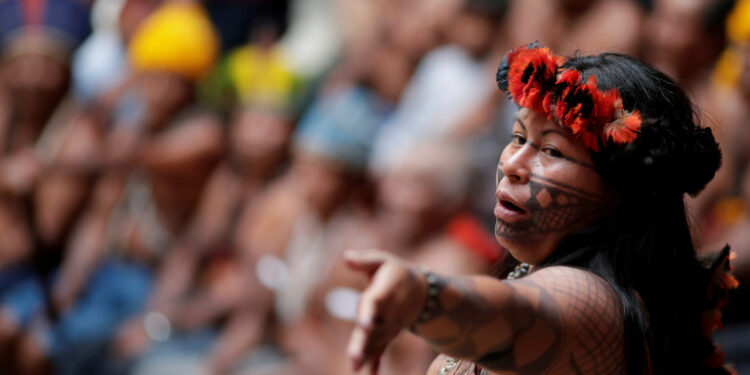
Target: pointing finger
(367, 261)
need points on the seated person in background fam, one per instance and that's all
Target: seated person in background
(421, 212)
(684, 39)
(284, 238)
(157, 158)
(588, 26)
(420, 215)
(196, 284)
(99, 72)
(449, 87)
(36, 45)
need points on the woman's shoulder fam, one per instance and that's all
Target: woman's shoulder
(577, 293)
(589, 314)
(565, 272)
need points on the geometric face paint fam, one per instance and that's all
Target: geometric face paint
(552, 206)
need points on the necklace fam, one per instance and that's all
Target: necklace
(449, 363)
(520, 270)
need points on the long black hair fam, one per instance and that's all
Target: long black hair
(644, 249)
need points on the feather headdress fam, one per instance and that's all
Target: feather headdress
(534, 79)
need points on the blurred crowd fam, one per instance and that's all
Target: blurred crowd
(179, 178)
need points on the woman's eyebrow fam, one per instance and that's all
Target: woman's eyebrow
(552, 130)
(518, 120)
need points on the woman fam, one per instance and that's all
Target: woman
(590, 200)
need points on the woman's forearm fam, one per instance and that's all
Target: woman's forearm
(558, 318)
(555, 320)
(476, 318)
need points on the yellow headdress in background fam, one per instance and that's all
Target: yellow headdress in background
(738, 22)
(730, 62)
(177, 38)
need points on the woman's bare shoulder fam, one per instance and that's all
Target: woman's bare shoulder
(589, 314)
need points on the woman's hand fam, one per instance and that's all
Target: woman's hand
(394, 298)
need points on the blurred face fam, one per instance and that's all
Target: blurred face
(471, 31)
(259, 138)
(674, 35)
(322, 182)
(165, 94)
(36, 85)
(389, 72)
(409, 198)
(547, 188)
(413, 25)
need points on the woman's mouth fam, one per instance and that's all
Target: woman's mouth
(509, 205)
(508, 211)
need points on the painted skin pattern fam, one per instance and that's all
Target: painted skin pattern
(561, 321)
(553, 207)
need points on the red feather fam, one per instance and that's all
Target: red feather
(624, 130)
(530, 76)
(534, 78)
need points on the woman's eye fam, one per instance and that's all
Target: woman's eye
(551, 151)
(518, 139)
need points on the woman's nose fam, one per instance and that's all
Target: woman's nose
(517, 167)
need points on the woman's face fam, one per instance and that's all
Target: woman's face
(547, 188)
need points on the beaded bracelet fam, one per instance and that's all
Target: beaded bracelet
(435, 284)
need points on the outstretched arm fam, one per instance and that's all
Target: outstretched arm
(557, 320)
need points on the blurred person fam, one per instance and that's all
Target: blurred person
(403, 30)
(586, 26)
(98, 71)
(418, 213)
(422, 203)
(37, 43)
(331, 150)
(157, 156)
(37, 40)
(194, 288)
(427, 108)
(417, 27)
(420, 216)
(379, 68)
(683, 38)
(253, 74)
(590, 204)
(332, 145)
(289, 228)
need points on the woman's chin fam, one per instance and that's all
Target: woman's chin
(525, 249)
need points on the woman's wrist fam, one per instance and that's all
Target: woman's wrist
(433, 284)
